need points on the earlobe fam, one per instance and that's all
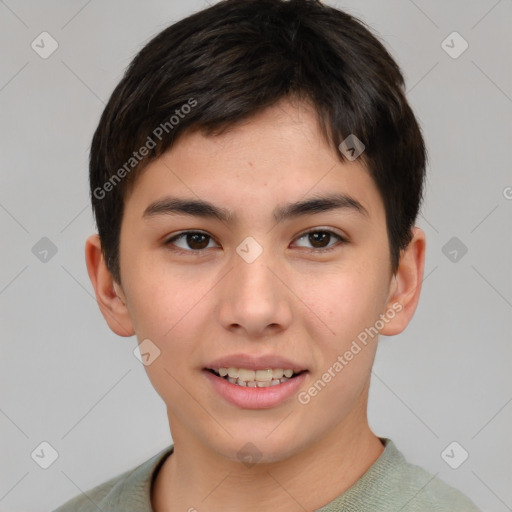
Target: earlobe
(109, 294)
(406, 285)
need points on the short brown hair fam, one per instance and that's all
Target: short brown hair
(230, 61)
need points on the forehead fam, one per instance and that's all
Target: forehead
(275, 157)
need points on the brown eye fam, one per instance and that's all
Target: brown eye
(197, 240)
(320, 239)
(191, 241)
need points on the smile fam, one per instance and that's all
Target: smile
(255, 378)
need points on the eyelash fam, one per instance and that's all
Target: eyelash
(183, 234)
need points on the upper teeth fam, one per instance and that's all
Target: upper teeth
(259, 375)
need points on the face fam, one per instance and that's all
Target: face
(266, 286)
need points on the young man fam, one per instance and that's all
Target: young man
(255, 178)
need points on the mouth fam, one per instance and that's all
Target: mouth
(263, 378)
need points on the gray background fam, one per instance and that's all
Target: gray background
(67, 380)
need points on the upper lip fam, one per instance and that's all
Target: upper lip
(261, 362)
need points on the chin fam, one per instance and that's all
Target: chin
(257, 446)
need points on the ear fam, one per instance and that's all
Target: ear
(405, 287)
(109, 295)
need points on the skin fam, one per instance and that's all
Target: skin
(290, 301)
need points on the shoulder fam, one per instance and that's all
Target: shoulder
(94, 498)
(129, 489)
(393, 484)
(417, 490)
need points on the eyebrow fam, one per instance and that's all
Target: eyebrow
(205, 209)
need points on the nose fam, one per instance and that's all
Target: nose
(254, 299)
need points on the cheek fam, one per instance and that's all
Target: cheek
(347, 300)
(164, 298)
(349, 303)
(170, 314)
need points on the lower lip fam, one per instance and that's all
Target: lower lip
(255, 398)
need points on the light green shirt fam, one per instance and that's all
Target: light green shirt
(391, 484)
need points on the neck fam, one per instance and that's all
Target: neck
(196, 478)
